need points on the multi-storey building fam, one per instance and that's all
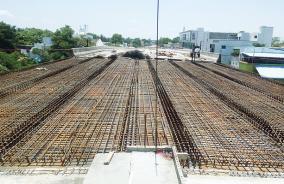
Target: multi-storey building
(217, 41)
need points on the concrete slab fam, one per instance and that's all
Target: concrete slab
(200, 179)
(42, 179)
(133, 168)
(147, 149)
(116, 172)
(42, 175)
(146, 168)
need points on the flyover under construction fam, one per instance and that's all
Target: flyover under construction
(66, 114)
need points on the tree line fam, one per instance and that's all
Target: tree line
(117, 39)
(13, 38)
(276, 42)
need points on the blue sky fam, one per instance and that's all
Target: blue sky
(136, 18)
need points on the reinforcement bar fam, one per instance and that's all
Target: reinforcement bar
(278, 98)
(257, 121)
(182, 138)
(28, 84)
(36, 120)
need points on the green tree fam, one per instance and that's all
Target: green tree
(175, 40)
(235, 53)
(29, 36)
(84, 41)
(258, 45)
(80, 42)
(14, 61)
(127, 40)
(94, 35)
(62, 40)
(3, 69)
(147, 42)
(7, 36)
(164, 41)
(44, 54)
(116, 39)
(104, 39)
(136, 42)
(277, 43)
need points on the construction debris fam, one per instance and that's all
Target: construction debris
(42, 69)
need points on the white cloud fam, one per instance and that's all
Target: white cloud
(6, 13)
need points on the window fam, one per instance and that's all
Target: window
(223, 46)
(193, 36)
(184, 37)
(212, 47)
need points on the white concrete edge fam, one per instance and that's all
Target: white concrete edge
(147, 148)
(109, 158)
(179, 171)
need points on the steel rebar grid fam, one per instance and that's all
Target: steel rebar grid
(265, 113)
(28, 113)
(239, 146)
(73, 136)
(15, 78)
(269, 88)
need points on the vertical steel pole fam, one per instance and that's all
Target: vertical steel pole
(156, 82)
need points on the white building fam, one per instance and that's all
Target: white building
(214, 41)
(265, 36)
(206, 40)
(254, 37)
(244, 36)
(226, 48)
(225, 44)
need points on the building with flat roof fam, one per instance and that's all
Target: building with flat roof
(225, 44)
(206, 40)
(210, 41)
(259, 55)
(265, 36)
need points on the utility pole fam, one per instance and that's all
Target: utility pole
(156, 82)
